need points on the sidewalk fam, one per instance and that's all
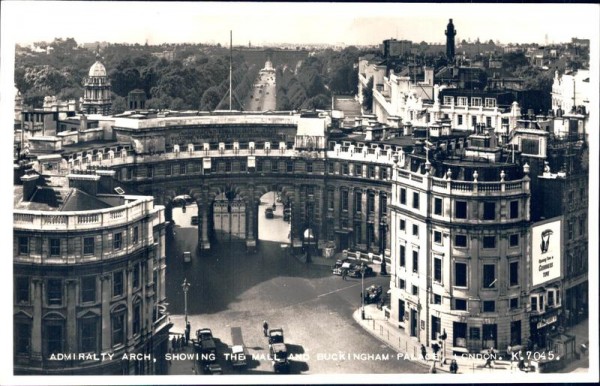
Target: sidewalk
(376, 323)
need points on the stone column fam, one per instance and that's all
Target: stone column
(71, 344)
(128, 287)
(364, 216)
(36, 331)
(251, 220)
(376, 219)
(204, 241)
(105, 284)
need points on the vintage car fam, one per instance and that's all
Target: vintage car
(355, 270)
(275, 336)
(269, 213)
(340, 266)
(212, 368)
(279, 356)
(373, 294)
(205, 344)
(238, 356)
(287, 214)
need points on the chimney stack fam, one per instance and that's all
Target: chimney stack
(106, 182)
(29, 185)
(85, 182)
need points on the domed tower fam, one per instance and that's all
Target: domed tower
(96, 97)
(450, 34)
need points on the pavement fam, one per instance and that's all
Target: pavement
(377, 324)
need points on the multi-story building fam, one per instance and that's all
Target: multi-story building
(571, 91)
(459, 247)
(96, 97)
(89, 275)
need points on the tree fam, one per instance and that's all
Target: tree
(210, 99)
(119, 104)
(367, 102)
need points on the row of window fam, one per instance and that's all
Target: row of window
(460, 207)
(475, 101)
(358, 205)
(89, 331)
(89, 243)
(88, 290)
(371, 171)
(460, 272)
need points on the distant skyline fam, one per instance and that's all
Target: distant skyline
(305, 23)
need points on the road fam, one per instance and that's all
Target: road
(263, 96)
(232, 289)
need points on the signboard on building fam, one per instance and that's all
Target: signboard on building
(546, 251)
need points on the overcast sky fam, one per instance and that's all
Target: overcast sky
(260, 23)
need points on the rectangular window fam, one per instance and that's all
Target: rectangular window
(137, 318)
(460, 241)
(402, 256)
(514, 273)
(459, 334)
(415, 200)
(534, 303)
(448, 100)
(88, 245)
(149, 171)
(88, 332)
(415, 230)
(473, 121)
(168, 169)
(23, 245)
(415, 290)
(88, 289)
(460, 274)
(515, 333)
(488, 121)
(489, 242)
(183, 168)
(402, 225)
(383, 204)
(460, 304)
(55, 292)
(415, 261)
(403, 196)
(259, 166)
(461, 101)
(437, 299)
(136, 276)
(23, 338)
(330, 168)
(401, 310)
(118, 283)
(437, 270)
(289, 166)
(357, 202)
(513, 303)
(371, 172)
(437, 237)
(344, 200)
(489, 306)
(243, 166)
(489, 276)
(460, 209)
(371, 202)
(514, 240)
(474, 333)
(22, 289)
(330, 199)
(358, 170)
(53, 335)
(476, 101)
(514, 209)
(437, 206)
(490, 102)
(489, 210)
(402, 284)
(118, 328)
(581, 225)
(460, 120)
(309, 167)
(383, 173)
(117, 241)
(345, 169)
(136, 234)
(54, 247)
(570, 229)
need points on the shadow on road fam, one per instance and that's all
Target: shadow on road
(294, 349)
(221, 274)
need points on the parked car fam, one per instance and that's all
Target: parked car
(187, 257)
(194, 220)
(341, 266)
(354, 271)
(373, 294)
(275, 336)
(287, 214)
(279, 356)
(213, 368)
(238, 356)
(269, 213)
(205, 344)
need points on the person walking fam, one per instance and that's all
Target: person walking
(188, 328)
(453, 366)
(344, 274)
(266, 328)
(424, 352)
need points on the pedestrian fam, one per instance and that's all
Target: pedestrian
(180, 342)
(521, 363)
(345, 274)
(489, 358)
(424, 352)
(266, 328)
(453, 366)
(435, 347)
(174, 343)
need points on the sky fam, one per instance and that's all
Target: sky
(311, 23)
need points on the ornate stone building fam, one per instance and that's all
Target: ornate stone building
(96, 97)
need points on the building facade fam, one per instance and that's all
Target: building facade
(96, 95)
(89, 278)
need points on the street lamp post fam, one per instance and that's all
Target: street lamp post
(186, 287)
(362, 286)
(311, 234)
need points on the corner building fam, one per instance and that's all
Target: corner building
(459, 247)
(89, 277)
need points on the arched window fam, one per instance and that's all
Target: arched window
(88, 332)
(53, 335)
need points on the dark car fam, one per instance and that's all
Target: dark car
(373, 294)
(275, 336)
(269, 213)
(279, 356)
(355, 270)
(205, 344)
(213, 368)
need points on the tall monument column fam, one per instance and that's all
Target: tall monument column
(450, 35)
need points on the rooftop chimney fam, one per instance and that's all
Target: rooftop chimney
(85, 182)
(106, 179)
(29, 185)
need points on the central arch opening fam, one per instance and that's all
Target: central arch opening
(229, 217)
(274, 218)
